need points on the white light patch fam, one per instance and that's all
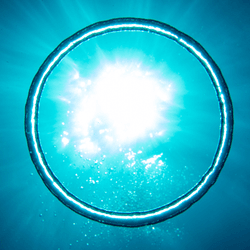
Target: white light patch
(128, 98)
(121, 104)
(65, 141)
(88, 146)
(152, 160)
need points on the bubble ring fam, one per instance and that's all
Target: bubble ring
(132, 219)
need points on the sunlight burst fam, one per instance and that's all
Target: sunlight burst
(122, 104)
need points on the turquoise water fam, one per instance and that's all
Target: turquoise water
(101, 154)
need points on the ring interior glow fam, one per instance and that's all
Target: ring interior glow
(130, 219)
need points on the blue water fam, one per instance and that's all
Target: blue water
(168, 165)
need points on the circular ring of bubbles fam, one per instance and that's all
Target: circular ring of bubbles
(130, 219)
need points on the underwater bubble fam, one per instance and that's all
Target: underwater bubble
(132, 219)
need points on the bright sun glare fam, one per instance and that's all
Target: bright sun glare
(121, 104)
